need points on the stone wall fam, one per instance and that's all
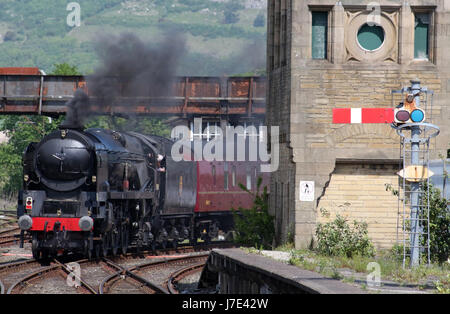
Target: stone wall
(278, 60)
(358, 192)
(303, 93)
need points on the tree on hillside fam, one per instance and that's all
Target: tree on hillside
(260, 20)
(64, 69)
(234, 5)
(230, 17)
(10, 36)
(231, 13)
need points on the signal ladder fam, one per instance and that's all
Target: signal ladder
(408, 118)
(413, 222)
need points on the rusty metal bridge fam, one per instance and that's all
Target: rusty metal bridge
(25, 93)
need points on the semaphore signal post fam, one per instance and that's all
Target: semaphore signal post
(409, 118)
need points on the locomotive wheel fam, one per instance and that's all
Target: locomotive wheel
(45, 254)
(34, 247)
(115, 240)
(124, 239)
(138, 247)
(97, 250)
(87, 251)
(207, 240)
(105, 244)
(36, 254)
(193, 241)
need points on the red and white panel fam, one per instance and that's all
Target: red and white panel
(363, 115)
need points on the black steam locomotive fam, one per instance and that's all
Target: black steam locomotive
(96, 191)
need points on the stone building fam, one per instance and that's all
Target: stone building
(325, 54)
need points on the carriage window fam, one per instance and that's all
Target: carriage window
(276, 194)
(233, 176)
(225, 176)
(249, 181)
(214, 174)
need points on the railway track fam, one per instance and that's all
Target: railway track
(9, 219)
(13, 271)
(11, 237)
(177, 276)
(9, 231)
(155, 277)
(133, 273)
(52, 278)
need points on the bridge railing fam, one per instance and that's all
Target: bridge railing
(48, 95)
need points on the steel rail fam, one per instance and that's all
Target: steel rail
(57, 266)
(167, 262)
(8, 240)
(9, 265)
(9, 231)
(178, 275)
(82, 281)
(23, 282)
(125, 272)
(129, 272)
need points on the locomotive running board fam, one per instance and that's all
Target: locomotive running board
(130, 195)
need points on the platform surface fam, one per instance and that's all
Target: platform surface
(307, 280)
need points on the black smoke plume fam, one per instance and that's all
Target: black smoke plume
(130, 71)
(76, 110)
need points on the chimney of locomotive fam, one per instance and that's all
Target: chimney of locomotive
(77, 109)
(67, 126)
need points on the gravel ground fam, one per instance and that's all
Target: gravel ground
(279, 256)
(14, 253)
(188, 285)
(124, 287)
(94, 274)
(52, 284)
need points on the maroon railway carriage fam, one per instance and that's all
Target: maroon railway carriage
(219, 191)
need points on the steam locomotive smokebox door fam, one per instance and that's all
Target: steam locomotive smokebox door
(181, 186)
(64, 159)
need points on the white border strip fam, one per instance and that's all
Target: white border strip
(356, 115)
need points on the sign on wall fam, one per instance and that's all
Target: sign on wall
(307, 191)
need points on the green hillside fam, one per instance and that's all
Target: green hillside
(221, 35)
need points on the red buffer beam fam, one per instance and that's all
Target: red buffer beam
(363, 115)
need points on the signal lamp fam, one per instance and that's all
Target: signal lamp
(408, 113)
(402, 115)
(29, 203)
(417, 115)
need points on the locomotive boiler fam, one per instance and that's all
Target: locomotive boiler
(97, 192)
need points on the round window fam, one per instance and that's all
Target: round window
(371, 37)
